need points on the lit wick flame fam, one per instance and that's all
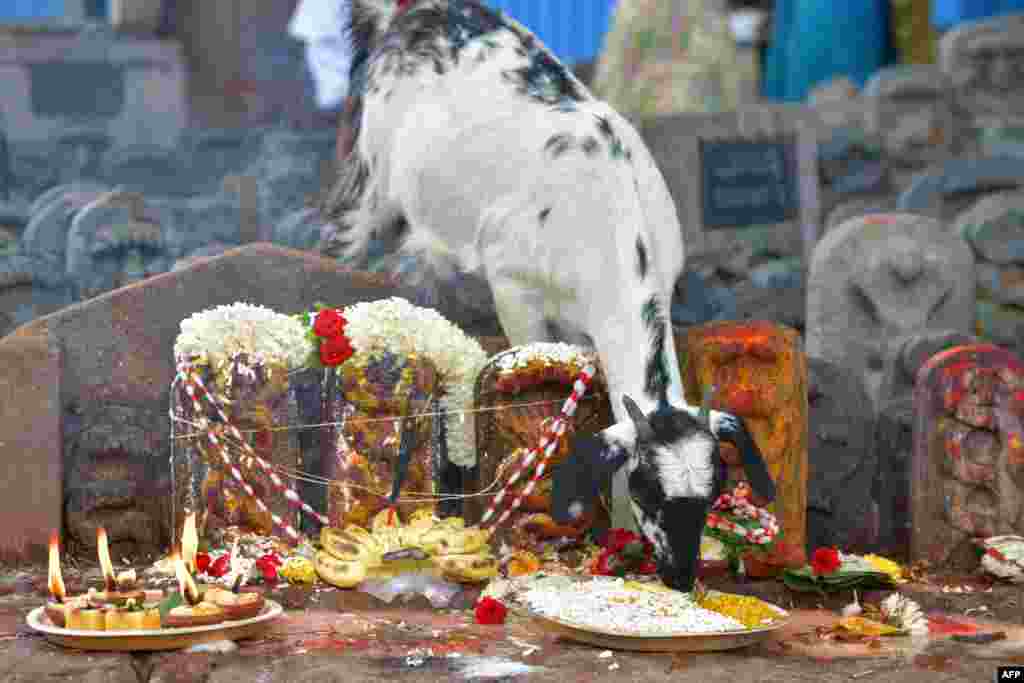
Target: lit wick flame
(187, 587)
(189, 542)
(109, 579)
(56, 581)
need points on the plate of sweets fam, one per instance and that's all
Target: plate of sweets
(646, 616)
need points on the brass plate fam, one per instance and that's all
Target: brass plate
(688, 642)
(161, 639)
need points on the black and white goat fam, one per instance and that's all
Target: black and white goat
(480, 152)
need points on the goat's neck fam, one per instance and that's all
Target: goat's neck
(626, 344)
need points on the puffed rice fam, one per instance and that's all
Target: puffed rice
(607, 604)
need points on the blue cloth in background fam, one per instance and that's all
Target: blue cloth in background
(946, 14)
(813, 42)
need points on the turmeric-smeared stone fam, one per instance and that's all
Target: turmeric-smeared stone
(760, 374)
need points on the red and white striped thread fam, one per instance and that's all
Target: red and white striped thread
(221, 450)
(548, 443)
(289, 493)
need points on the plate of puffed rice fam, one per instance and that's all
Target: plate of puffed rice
(619, 614)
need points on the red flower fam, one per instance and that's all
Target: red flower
(335, 351)
(490, 611)
(617, 539)
(268, 565)
(825, 561)
(647, 567)
(220, 567)
(329, 323)
(202, 563)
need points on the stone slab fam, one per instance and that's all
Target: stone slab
(30, 445)
(118, 347)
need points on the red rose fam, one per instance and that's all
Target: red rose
(329, 323)
(220, 567)
(490, 611)
(268, 565)
(202, 563)
(825, 561)
(335, 351)
(617, 539)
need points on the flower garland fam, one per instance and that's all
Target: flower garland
(736, 517)
(527, 366)
(624, 552)
(395, 325)
(216, 336)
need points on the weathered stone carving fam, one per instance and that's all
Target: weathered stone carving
(967, 479)
(760, 372)
(894, 424)
(880, 277)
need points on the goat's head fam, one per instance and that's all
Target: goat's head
(675, 474)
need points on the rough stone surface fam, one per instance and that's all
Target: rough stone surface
(761, 374)
(947, 189)
(695, 301)
(842, 461)
(1001, 284)
(118, 348)
(880, 277)
(912, 114)
(782, 306)
(894, 426)
(983, 61)
(195, 222)
(45, 238)
(994, 227)
(30, 445)
(778, 274)
(852, 208)
(113, 243)
(299, 229)
(966, 479)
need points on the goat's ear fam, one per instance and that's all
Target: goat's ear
(734, 430)
(577, 481)
(644, 432)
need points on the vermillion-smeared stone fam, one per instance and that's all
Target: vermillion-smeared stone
(966, 476)
(760, 372)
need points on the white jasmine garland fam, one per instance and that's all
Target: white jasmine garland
(397, 326)
(557, 353)
(216, 336)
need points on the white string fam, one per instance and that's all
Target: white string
(231, 443)
(369, 420)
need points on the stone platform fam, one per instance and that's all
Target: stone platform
(331, 635)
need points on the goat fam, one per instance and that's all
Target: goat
(479, 152)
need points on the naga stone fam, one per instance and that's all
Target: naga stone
(967, 470)
(881, 277)
(759, 371)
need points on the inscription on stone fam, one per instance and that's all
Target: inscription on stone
(749, 182)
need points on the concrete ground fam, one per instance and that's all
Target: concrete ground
(330, 635)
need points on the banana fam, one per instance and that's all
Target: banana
(447, 542)
(346, 545)
(447, 546)
(340, 573)
(472, 568)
